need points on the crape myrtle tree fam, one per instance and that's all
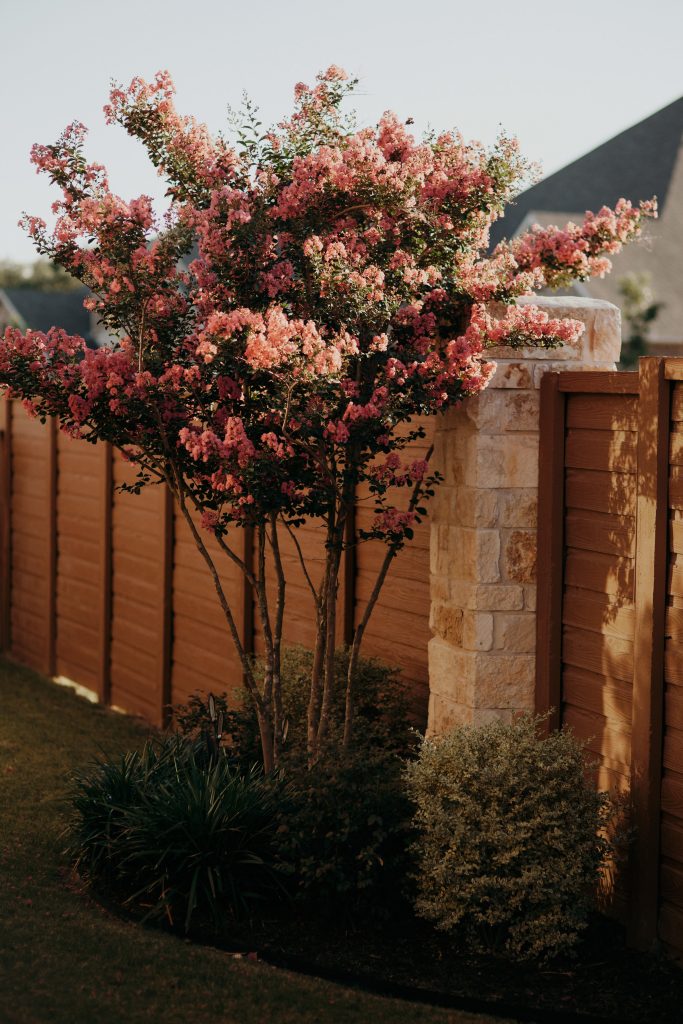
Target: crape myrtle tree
(309, 292)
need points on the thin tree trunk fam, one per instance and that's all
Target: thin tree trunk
(330, 637)
(263, 710)
(317, 673)
(362, 625)
(264, 613)
(278, 716)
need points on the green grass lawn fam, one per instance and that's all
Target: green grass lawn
(65, 959)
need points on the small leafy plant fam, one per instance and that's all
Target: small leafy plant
(511, 838)
(382, 717)
(344, 830)
(344, 821)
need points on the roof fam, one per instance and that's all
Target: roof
(40, 310)
(637, 164)
(644, 160)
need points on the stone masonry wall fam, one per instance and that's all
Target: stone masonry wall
(483, 527)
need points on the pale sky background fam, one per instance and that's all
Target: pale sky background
(563, 77)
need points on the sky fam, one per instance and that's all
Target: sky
(563, 77)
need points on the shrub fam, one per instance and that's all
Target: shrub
(344, 829)
(510, 837)
(381, 710)
(342, 823)
(176, 832)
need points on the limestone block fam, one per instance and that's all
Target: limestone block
(519, 559)
(487, 597)
(472, 506)
(530, 597)
(454, 471)
(477, 632)
(513, 374)
(522, 410)
(518, 507)
(504, 680)
(451, 671)
(473, 554)
(481, 679)
(439, 589)
(497, 411)
(446, 622)
(601, 339)
(442, 553)
(445, 714)
(515, 632)
(502, 461)
(603, 345)
(470, 630)
(484, 716)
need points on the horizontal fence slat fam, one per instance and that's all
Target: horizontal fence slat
(599, 382)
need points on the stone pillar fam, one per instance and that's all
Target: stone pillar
(483, 527)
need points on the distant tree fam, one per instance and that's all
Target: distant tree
(640, 311)
(43, 274)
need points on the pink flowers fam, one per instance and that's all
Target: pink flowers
(578, 251)
(520, 326)
(305, 297)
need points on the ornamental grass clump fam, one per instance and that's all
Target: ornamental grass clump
(175, 833)
(511, 838)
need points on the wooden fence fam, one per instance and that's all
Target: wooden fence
(610, 621)
(108, 590)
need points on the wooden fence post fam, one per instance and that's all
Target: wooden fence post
(52, 469)
(106, 498)
(550, 564)
(168, 530)
(247, 624)
(648, 652)
(5, 523)
(349, 580)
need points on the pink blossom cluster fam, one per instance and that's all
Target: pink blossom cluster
(308, 294)
(578, 251)
(521, 326)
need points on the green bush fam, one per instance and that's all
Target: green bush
(342, 823)
(176, 832)
(510, 839)
(381, 706)
(381, 709)
(344, 830)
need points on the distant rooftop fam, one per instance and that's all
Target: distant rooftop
(643, 161)
(637, 164)
(40, 310)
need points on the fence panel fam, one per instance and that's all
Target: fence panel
(107, 589)
(83, 497)
(610, 637)
(204, 656)
(671, 912)
(598, 621)
(398, 632)
(33, 539)
(139, 611)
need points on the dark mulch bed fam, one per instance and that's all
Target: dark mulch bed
(606, 980)
(406, 957)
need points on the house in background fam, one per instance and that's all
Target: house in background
(39, 310)
(645, 160)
